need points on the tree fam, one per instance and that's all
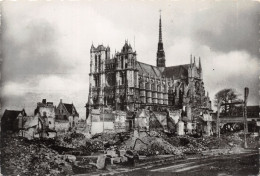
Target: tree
(227, 96)
(223, 97)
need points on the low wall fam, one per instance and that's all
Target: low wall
(97, 127)
(61, 126)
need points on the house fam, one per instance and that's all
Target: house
(66, 113)
(46, 110)
(12, 120)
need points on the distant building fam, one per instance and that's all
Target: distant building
(253, 112)
(253, 118)
(236, 116)
(46, 111)
(67, 112)
(12, 120)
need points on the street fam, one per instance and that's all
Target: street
(236, 164)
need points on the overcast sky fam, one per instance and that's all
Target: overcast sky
(46, 44)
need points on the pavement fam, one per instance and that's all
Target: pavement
(228, 163)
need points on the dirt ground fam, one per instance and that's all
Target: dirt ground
(245, 164)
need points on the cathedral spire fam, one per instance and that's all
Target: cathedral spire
(160, 50)
(160, 28)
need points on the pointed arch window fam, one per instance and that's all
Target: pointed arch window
(95, 62)
(99, 63)
(122, 62)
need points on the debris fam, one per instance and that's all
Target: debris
(82, 169)
(24, 157)
(101, 162)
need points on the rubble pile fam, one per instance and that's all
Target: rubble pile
(71, 140)
(102, 141)
(252, 142)
(225, 141)
(96, 145)
(150, 145)
(185, 144)
(160, 146)
(23, 157)
(190, 145)
(159, 143)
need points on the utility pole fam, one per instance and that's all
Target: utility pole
(103, 118)
(218, 120)
(245, 115)
(103, 96)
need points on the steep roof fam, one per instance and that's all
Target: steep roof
(69, 108)
(8, 119)
(11, 114)
(148, 69)
(176, 72)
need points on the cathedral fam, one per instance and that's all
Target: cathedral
(122, 82)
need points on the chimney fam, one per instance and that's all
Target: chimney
(60, 100)
(44, 101)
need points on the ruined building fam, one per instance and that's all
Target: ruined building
(46, 112)
(124, 83)
(67, 113)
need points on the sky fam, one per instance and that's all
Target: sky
(46, 44)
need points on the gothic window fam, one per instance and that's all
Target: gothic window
(197, 87)
(95, 62)
(116, 64)
(110, 79)
(122, 63)
(147, 86)
(99, 62)
(122, 78)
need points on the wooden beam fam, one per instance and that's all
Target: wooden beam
(223, 104)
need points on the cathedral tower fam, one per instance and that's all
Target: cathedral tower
(160, 52)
